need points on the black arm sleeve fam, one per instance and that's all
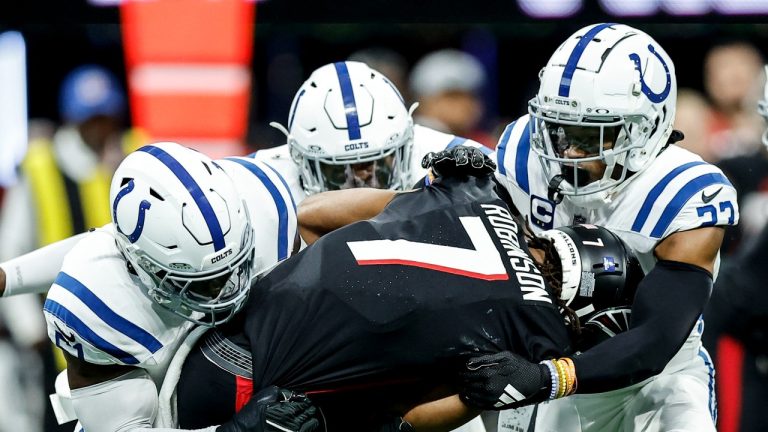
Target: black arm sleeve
(668, 302)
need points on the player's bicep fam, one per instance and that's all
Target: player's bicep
(698, 247)
(322, 213)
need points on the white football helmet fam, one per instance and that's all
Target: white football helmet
(348, 127)
(184, 230)
(606, 84)
(762, 107)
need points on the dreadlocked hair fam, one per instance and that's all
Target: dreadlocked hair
(552, 272)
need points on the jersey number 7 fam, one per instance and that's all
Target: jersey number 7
(482, 262)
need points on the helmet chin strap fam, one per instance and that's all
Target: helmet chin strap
(553, 189)
(574, 175)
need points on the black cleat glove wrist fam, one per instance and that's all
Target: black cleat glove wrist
(275, 410)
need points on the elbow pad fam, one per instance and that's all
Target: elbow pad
(125, 403)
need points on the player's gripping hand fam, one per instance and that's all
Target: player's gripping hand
(458, 161)
(505, 380)
(275, 410)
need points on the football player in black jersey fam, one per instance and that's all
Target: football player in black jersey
(376, 318)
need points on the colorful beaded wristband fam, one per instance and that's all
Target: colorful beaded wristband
(553, 376)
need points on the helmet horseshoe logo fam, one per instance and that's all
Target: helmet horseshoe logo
(654, 97)
(143, 207)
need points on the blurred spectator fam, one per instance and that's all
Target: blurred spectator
(737, 333)
(749, 174)
(390, 63)
(446, 84)
(63, 190)
(737, 313)
(694, 118)
(732, 80)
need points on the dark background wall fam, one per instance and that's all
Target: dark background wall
(294, 37)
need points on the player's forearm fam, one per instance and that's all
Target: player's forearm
(441, 415)
(35, 271)
(324, 212)
(668, 302)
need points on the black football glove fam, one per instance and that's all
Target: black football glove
(504, 380)
(459, 161)
(275, 410)
(398, 424)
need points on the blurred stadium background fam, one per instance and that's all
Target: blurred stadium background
(512, 38)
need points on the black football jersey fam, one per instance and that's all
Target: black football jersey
(383, 312)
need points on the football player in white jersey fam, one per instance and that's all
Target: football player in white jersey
(348, 127)
(598, 147)
(187, 237)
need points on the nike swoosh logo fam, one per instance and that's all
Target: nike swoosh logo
(67, 337)
(707, 198)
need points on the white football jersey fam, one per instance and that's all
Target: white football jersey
(98, 311)
(279, 158)
(677, 192)
(425, 140)
(266, 191)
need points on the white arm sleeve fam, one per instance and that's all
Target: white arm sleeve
(126, 403)
(18, 221)
(23, 317)
(35, 271)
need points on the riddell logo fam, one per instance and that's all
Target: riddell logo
(221, 256)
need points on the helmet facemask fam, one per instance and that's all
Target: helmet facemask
(386, 168)
(217, 293)
(608, 140)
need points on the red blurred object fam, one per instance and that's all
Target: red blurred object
(189, 70)
(730, 357)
